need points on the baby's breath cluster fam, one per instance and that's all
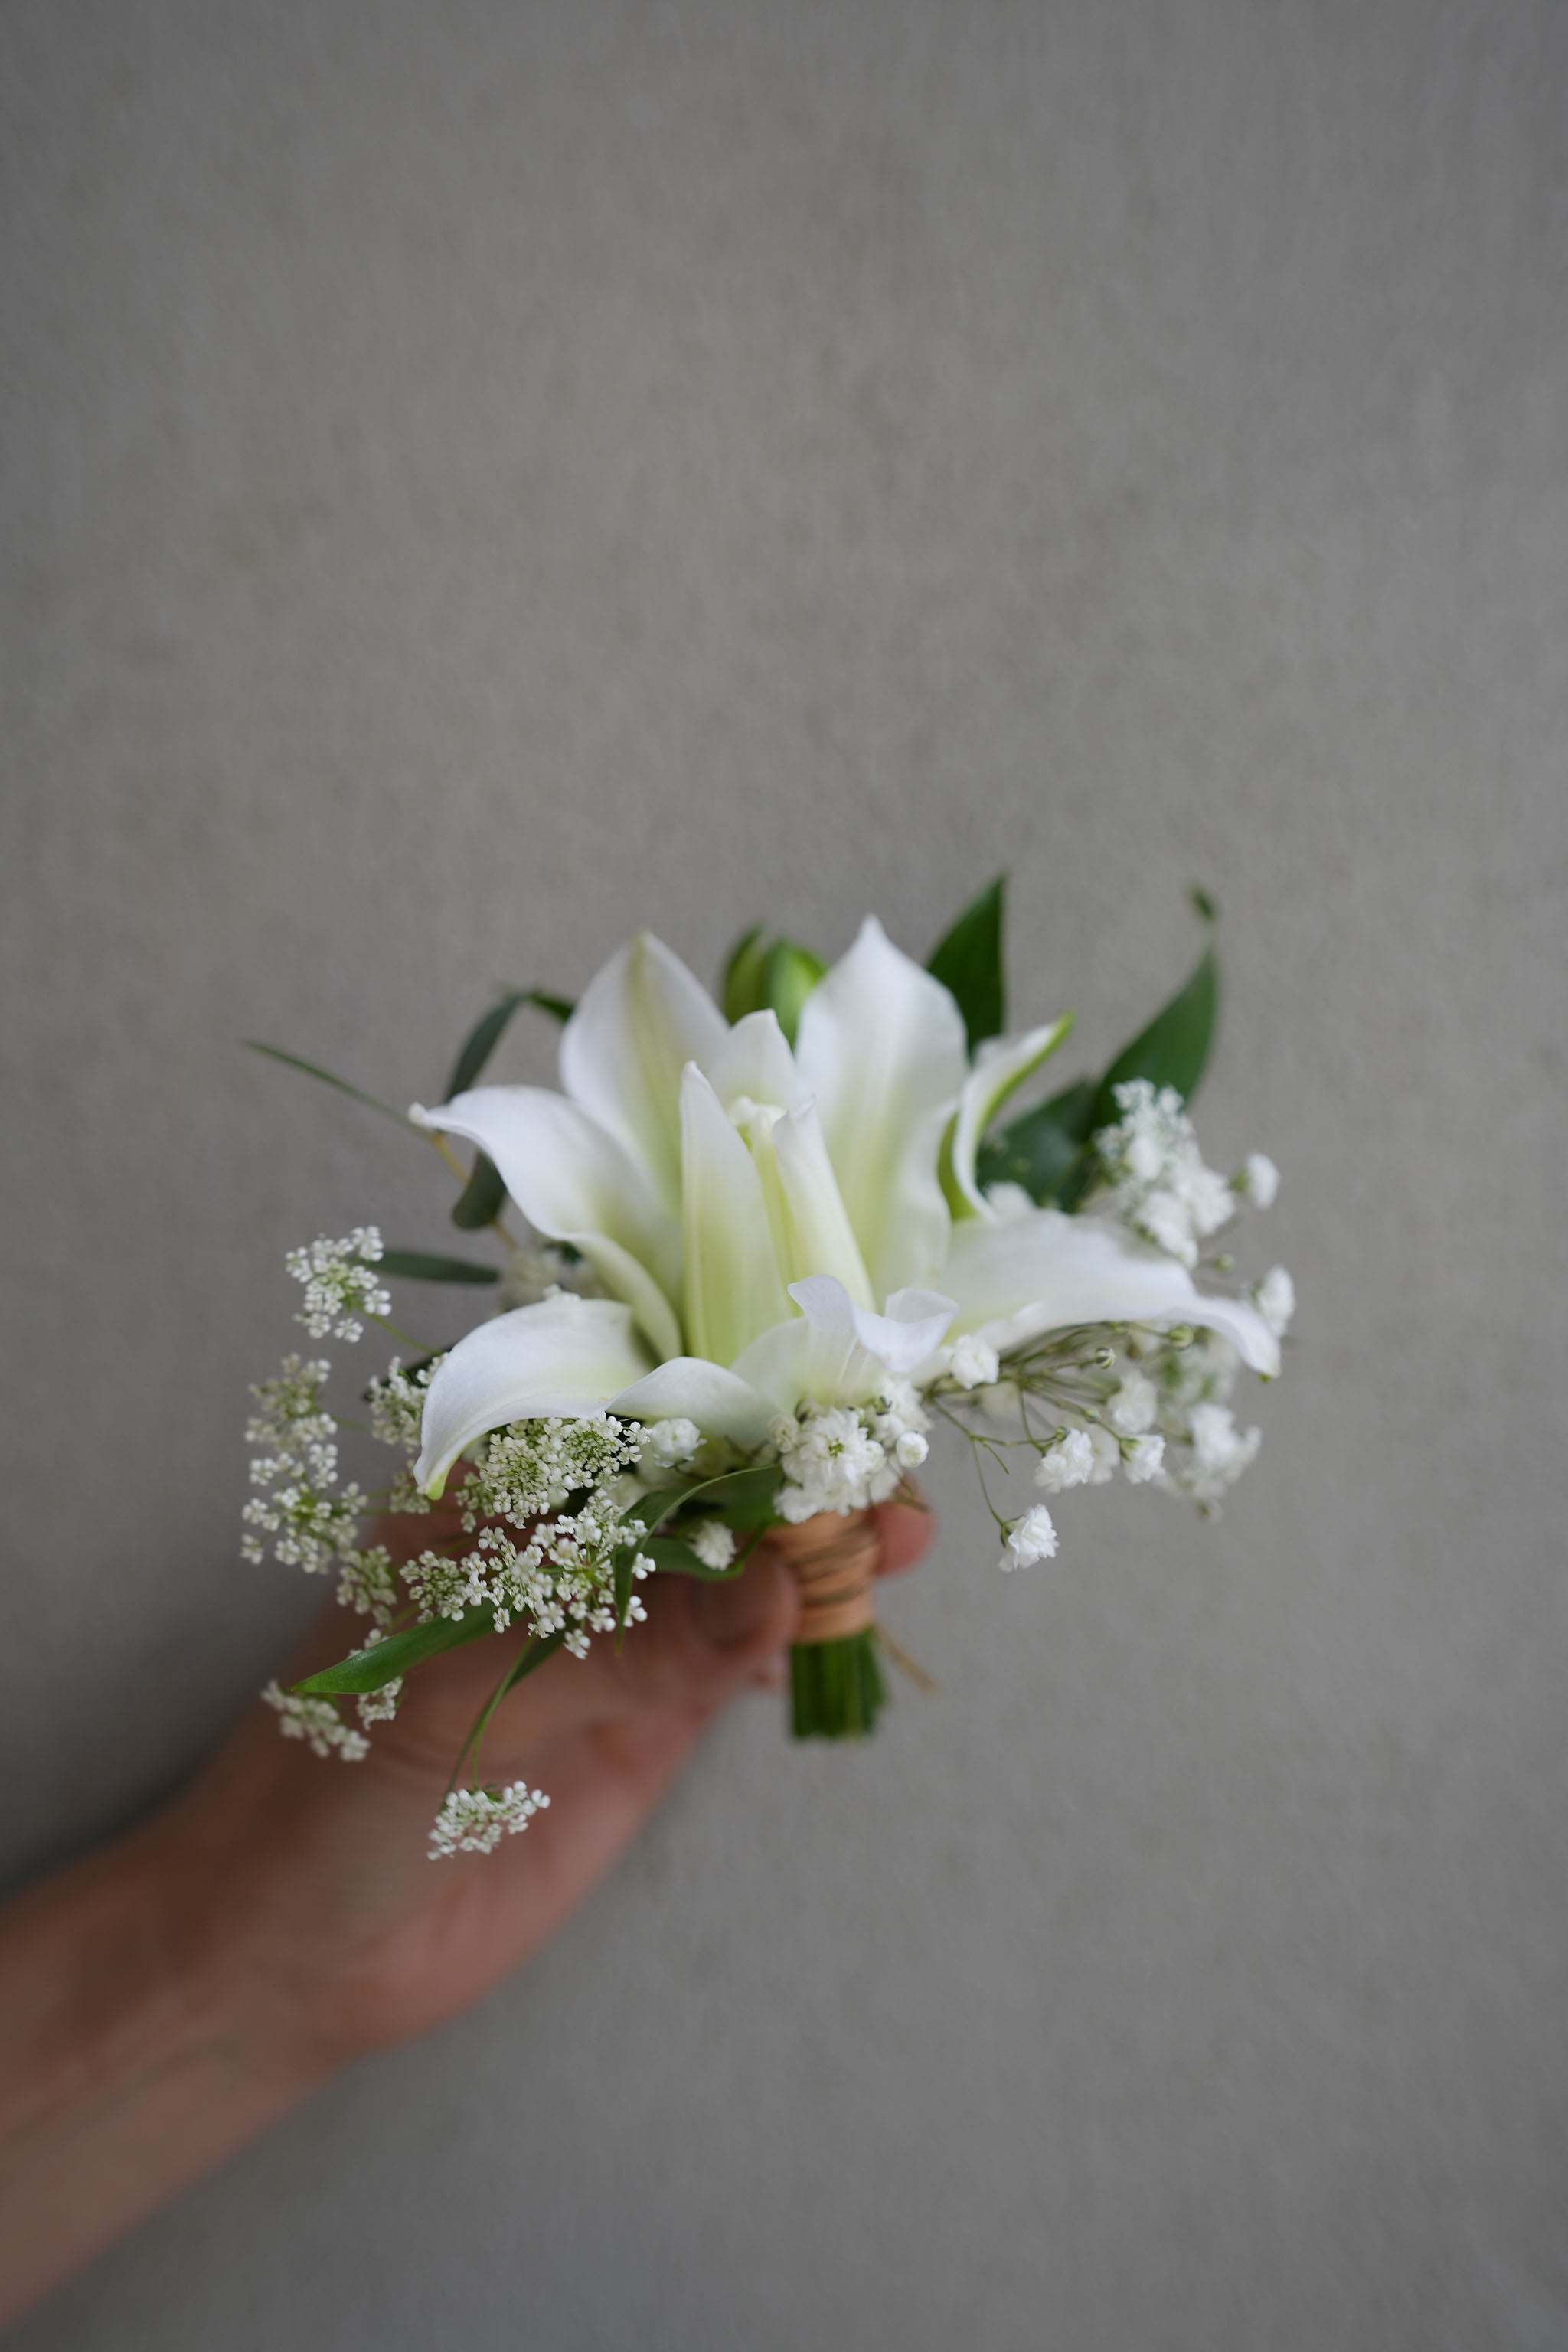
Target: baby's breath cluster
(297, 1512)
(1151, 1164)
(842, 1458)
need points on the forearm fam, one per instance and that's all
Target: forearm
(134, 2055)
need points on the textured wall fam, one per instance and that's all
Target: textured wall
(483, 478)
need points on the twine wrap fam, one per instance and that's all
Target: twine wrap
(834, 1559)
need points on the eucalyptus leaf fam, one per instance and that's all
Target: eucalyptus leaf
(482, 1198)
(314, 1070)
(487, 1031)
(968, 962)
(427, 1265)
(367, 1670)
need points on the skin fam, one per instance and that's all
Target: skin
(164, 2000)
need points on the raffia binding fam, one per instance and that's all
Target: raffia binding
(834, 1558)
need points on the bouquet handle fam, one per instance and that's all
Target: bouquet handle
(835, 1676)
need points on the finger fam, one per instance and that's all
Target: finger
(906, 1532)
(701, 1643)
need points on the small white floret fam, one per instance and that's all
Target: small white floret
(1130, 1408)
(1069, 1463)
(713, 1542)
(973, 1364)
(1029, 1539)
(1143, 1459)
(1260, 1180)
(1276, 1297)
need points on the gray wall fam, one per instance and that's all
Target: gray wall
(484, 477)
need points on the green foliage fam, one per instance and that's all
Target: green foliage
(314, 1070)
(482, 1198)
(487, 1031)
(673, 1557)
(427, 1265)
(968, 962)
(1046, 1150)
(367, 1670)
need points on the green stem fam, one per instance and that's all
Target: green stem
(836, 1689)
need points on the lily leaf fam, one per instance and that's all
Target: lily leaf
(426, 1266)
(968, 962)
(314, 1070)
(482, 1198)
(486, 1033)
(367, 1670)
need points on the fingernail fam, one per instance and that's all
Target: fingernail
(731, 1616)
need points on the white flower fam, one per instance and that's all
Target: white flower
(1206, 1197)
(1029, 1539)
(1217, 1444)
(1164, 1217)
(831, 1462)
(1143, 1459)
(317, 1721)
(475, 1821)
(1276, 1298)
(910, 1449)
(1107, 1457)
(668, 1444)
(339, 1286)
(776, 1227)
(973, 1363)
(1260, 1180)
(1069, 1463)
(1130, 1408)
(713, 1541)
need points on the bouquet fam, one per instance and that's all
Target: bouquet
(746, 1261)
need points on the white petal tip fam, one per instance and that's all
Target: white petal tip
(419, 1117)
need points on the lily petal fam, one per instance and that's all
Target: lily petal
(821, 1239)
(838, 1352)
(755, 1060)
(689, 1387)
(1048, 1272)
(997, 1074)
(640, 1021)
(567, 1355)
(881, 1048)
(574, 1183)
(733, 1285)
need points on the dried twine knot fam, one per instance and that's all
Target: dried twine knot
(834, 1559)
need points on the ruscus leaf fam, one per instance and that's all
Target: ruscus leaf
(1173, 1050)
(1042, 1149)
(487, 1031)
(968, 962)
(367, 1670)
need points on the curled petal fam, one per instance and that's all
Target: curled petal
(640, 1021)
(574, 1183)
(882, 1049)
(999, 1070)
(755, 1060)
(567, 1355)
(1048, 1272)
(691, 1388)
(838, 1352)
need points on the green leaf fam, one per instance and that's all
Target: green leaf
(313, 1070)
(486, 1033)
(743, 1497)
(1043, 1150)
(366, 1670)
(1174, 1048)
(480, 1201)
(425, 1266)
(969, 962)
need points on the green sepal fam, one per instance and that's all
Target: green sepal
(367, 1670)
(486, 1033)
(968, 962)
(482, 1198)
(427, 1265)
(770, 975)
(314, 1070)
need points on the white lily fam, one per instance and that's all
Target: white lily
(746, 1207)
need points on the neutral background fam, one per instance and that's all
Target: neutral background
(482, 478)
